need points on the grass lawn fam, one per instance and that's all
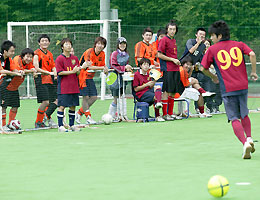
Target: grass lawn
(127, 161)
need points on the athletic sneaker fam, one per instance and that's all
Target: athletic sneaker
(208, 94)
(44, 119)
(158, 105)
(52, 124)
(62, 129)
(159, 119)
(116, 120)
(247, 151)
(90, 120)
(125, 118)
(176, 117)
(168, 118)
(251, 142)
(77, 118)
(74, 128)
(204, 115)
(183, 115)
(6, 128)
(40, 125)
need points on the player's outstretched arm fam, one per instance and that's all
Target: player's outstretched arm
(252, 58)
(209, 74)
(11, 73)
(30, 71)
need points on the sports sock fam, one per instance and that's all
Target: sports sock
(71, 117)
(165, 106)
(12, 115)
(170, 105)
(60, 116)
(239, 131)
(246, 125)
(40, 116)
(156, 110)
(112, 109)
(201, 108)
(201, 90)
(158, 94)
(87, 113)
(45, 112)
(52, 107)
(124, 107)
(3, 119)
(81, 111)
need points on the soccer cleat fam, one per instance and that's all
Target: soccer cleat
(77, 118)
(74, 128)
(90, 120)
(159, 119)
(40, 125)
(247, 151)
(158, 105)
(62, 129)
(251, 142)
(204, 115)
(168, 118)
(51, 123)
(208, 94)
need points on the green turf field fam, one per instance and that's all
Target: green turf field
(127, 161)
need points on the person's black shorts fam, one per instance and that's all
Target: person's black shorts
(172, 82)
(68, 100)
(45, 92)
(90, 90)
(10, 98)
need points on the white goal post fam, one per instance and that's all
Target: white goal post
(82, 33)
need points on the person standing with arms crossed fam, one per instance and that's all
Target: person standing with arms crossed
(227, 56)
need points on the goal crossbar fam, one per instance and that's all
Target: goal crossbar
(105, 24)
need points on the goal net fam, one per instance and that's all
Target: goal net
(82, 33)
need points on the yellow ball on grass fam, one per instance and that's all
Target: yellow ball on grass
(218, 186)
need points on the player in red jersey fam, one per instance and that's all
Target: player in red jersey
(167, 53)
(46, 85)
(67, 66)
(144, 89)
(227, 56)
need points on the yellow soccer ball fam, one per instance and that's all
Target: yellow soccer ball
(218, 186)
